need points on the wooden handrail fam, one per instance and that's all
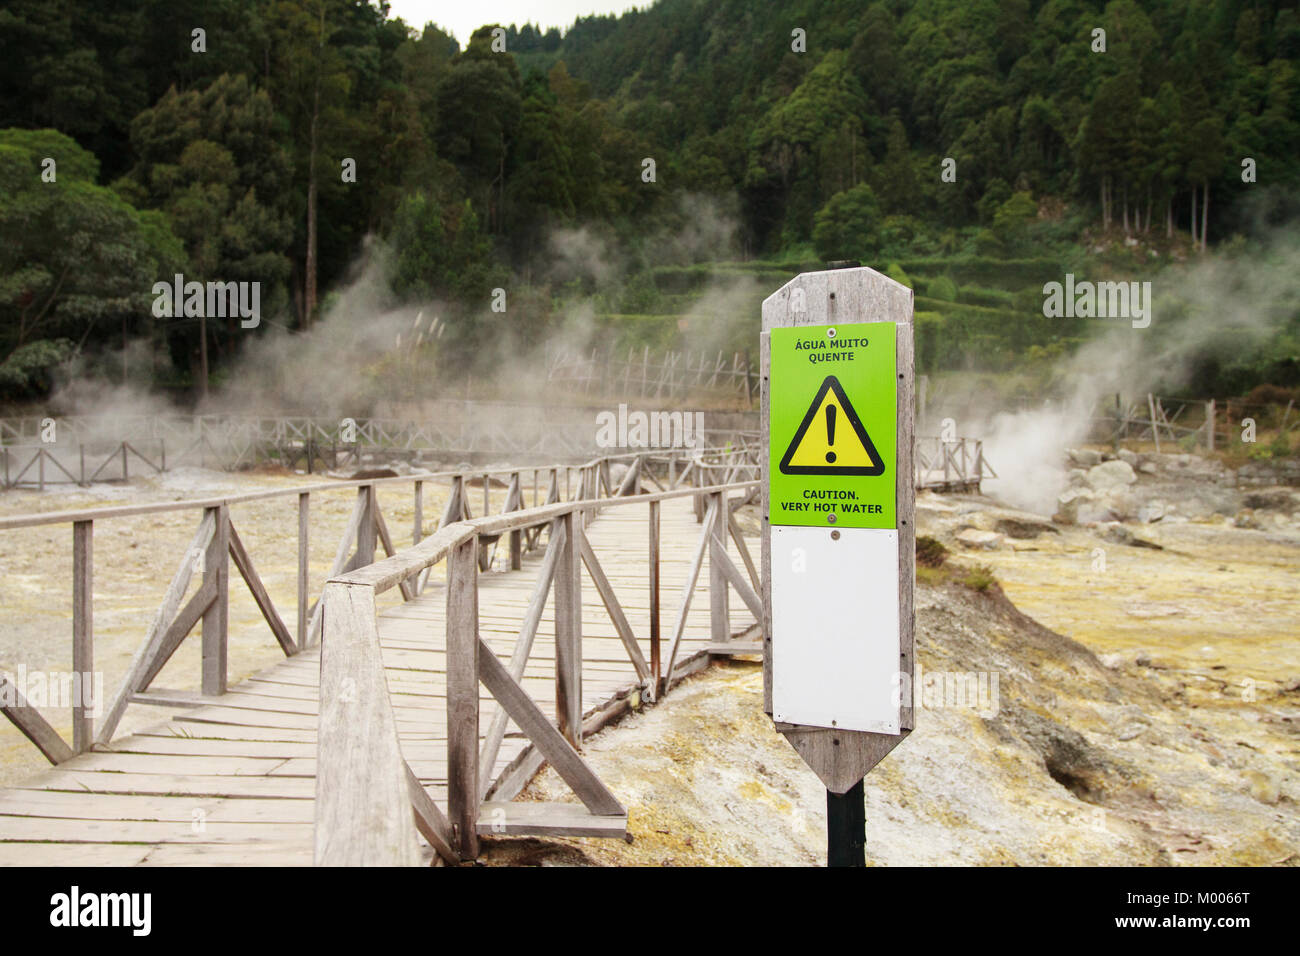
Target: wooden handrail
(367, 820)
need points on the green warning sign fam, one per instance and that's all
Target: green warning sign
(833, 413)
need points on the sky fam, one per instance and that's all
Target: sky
(462, 19)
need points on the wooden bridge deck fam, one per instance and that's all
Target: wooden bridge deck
(232, 781)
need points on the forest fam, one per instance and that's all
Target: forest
(974, 149)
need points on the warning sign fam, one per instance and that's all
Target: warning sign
(832, 417)
(814, 450)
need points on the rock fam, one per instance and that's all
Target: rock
(1270, 499)
(1130, 732)
(1148, 468)
(1077, 477)
(1246, 519)
(1152, 511)
(982, 540)
(1110, 474)
(1116, 504)
(1128, 456)
(1023, 527)
(1116, 533)
(1084, 457)
(1262, 787)
(1068, 504)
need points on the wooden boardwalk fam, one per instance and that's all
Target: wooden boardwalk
(231, 780)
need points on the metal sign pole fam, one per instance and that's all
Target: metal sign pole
(846, 827)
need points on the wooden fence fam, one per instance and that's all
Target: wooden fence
(670, 375)
(217, 543)
(956, 464)
(36, 466)
(313, 443)
(369, 804)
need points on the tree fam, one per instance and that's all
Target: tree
(77, 263)
(209, 161)
(845, 228)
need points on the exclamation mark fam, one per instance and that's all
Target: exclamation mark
(830, 432)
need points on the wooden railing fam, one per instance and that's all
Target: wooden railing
(217, 542)
(232, 441)
(370, 805)
(951, 464)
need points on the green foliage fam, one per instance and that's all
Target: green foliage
(930, 552)
(1010, 222)
(27, 371)
(895, 272)
(846, 226)
(77, 262)
(943, 288)
(980, 578)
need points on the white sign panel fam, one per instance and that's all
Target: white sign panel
(835, 628)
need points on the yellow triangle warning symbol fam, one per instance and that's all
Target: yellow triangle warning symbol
(831, 439)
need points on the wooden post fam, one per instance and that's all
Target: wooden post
(83, 654)
(463, 695)
(656, 660)
(304, 567)
(216, 570)
(568, 632)
(719, 599)
(368, 529)
(514, 502)
(1209, 425)
(1119, 422)
(1155, 432)
(838, 756)
(698, 481)
(417, 532)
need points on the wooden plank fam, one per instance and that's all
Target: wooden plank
(158, 630)
(731, 574)
(568, 632)
(697, 562)
(719, 597)
(656, 662)
(522, 649)
(743, 548)
(304, 565)
(176, 633)
(547, 819)
(216, 572)
(382, 527)
(363, 805)
(462, 677)
(736, 647)
(29, 720)
(429, 820)
(83, 646)
(612, 606)
(246, 570)
(556, 748)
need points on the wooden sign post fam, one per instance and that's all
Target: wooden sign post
(839, 538)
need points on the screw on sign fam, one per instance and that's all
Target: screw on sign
(838, 530)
